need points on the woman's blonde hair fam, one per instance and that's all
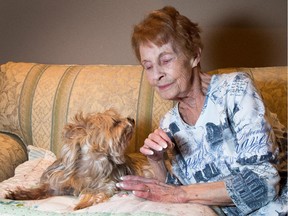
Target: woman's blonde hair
(168, 25)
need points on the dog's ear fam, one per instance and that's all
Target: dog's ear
(70, 154)
(111, 112)
(75, 131)
(74, 134)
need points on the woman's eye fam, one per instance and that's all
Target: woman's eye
(147, 67)
(166, 61)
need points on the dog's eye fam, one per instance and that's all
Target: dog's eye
(116, 123)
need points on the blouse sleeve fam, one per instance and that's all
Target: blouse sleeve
(256, 182)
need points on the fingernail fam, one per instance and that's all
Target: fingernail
(119, 185)
(151, 153)
(160, 148)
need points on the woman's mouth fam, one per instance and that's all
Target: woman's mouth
(164, 87)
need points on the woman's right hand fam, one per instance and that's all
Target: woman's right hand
(156, 144)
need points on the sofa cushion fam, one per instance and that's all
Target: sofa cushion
(37, 100)
(12, 154)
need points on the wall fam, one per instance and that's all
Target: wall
(235, 32)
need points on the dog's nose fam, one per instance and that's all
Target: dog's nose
(131, 120)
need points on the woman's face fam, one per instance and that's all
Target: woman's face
(170, 73)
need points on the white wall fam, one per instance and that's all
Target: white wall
(235, 32)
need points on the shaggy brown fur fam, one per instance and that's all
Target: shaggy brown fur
(92, 161)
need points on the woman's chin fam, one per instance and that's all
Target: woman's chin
(166, 96)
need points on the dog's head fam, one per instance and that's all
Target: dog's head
(99, 134)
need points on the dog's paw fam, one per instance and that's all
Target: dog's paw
(87, 200)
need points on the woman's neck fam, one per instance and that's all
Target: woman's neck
(190, 107)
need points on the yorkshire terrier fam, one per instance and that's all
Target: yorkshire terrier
(92, 161)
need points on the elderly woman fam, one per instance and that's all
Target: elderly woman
(223, 146)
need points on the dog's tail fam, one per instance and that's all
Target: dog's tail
(41, 192)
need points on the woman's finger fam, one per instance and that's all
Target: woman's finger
(157, 138)
(132, 186)
(139, 179)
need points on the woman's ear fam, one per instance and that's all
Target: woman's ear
(196, 60)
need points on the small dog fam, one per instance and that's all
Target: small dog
(92, 161)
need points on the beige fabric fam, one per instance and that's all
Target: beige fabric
(48, 96)
(11, 155)
(36, 100)
(12, 78)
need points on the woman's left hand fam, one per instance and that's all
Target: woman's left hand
(152, 189)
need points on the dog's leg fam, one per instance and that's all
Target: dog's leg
(87, 200)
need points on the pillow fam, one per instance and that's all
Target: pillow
(27, 174)
(36, 152)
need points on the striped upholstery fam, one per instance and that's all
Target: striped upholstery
(38, 99)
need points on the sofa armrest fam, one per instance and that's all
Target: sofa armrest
(13, 152)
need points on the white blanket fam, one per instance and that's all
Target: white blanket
(28, 175)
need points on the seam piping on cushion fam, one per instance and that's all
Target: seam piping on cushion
(57, 106)
(39, 73)
(137, 110)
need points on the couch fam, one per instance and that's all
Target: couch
(36, 100)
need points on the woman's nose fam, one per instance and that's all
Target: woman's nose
(158, 73)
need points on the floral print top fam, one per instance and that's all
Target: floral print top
(232, 141)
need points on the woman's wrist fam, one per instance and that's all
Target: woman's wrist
(213, 193)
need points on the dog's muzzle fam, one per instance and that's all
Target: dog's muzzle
(131, 121)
